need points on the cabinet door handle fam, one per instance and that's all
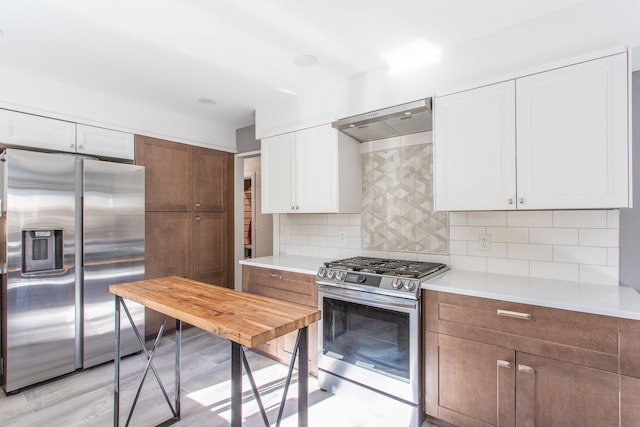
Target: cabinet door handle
(197, 205)
(275, 276)
(503, 364)
(510, 201)
(297, 207)
(197, 218)
(521, 200)
(526, 369)
(293, 207)
(513, 314)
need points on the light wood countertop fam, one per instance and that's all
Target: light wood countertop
(241, 317)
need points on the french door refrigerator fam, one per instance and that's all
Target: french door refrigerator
(72, 227)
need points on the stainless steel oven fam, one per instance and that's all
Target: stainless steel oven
(370, 333)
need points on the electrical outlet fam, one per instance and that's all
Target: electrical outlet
(342, 236)
(484, 242)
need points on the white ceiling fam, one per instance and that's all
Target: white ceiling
(240, 53)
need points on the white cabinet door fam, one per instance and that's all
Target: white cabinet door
(316, 170)
(105, 142)
(278, 173)
(27, 130)
(572, 136)
(474, 149)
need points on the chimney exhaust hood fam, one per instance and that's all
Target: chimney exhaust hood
(398, 120)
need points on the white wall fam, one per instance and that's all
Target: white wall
(34, 94)
(587, 28)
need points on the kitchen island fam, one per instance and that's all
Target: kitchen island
(242, 318)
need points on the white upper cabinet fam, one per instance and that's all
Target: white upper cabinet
(553, 140)
(105, 142)
(314, 170)
(474, 149)
(572, 135)
(278, 173)
(27, 130)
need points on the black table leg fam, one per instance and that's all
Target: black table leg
(236, 384)
(116, 368)
(303, 378)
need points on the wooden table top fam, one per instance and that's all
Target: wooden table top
(244, 318)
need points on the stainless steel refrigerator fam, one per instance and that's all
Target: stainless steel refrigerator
(72, 226)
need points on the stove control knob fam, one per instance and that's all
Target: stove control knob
(331, 274)
(410, 285)
(322, 273)
(340, 275)
(397, 283)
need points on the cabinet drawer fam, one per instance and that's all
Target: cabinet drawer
(581, 338)
(298, 288)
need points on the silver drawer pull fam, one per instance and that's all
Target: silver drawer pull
(513, 314)
(526, 369)
(503, 364)
(275, 276)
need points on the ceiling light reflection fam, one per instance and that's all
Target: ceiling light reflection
(418, 54)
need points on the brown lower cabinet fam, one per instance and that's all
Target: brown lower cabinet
(287, 286)
(530, 366)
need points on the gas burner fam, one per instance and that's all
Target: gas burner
(387, 267)
(378, 275)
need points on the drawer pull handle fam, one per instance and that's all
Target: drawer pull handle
(504, 364)
(275, 276)
(526, 369)
(513, 314)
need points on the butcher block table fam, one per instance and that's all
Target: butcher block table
(242, 318)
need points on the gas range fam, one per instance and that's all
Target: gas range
(380, 276)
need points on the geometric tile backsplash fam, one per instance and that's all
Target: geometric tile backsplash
(397, 202)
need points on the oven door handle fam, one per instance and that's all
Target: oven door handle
(356, 296)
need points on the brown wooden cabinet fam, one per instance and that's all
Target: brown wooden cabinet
(498, 363)
(288, 286)
(189, 214)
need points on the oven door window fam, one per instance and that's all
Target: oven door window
(368, 337)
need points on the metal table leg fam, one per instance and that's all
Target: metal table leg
(175, 408)
(303, 378)
(236, 384)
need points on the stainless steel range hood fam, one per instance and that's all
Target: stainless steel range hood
(398, 120)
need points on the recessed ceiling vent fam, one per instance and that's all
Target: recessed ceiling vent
(404, 119)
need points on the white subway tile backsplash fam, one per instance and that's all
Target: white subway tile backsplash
(460, 232)
(498, 250)
(457, 218)
(580, 254)
(515, 267)
(458, 247)
(613, 218)
(613, 257)
(554, 270)
(338, 219)
(554, 236)
(489, 218)
(600, 237)
(564, 245)
(509, 234)
(599, 274)
(470, 263)
(530, 251)
(580, 219)
(529, 219)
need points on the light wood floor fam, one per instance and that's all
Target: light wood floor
(85, 398)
